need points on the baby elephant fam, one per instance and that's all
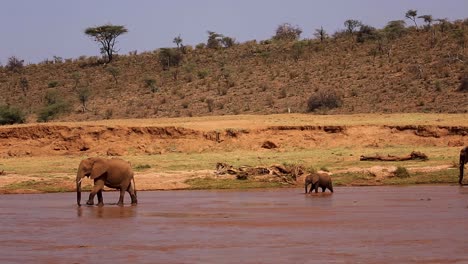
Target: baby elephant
(317, 180)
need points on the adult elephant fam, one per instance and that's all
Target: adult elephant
(113, 173)
(463, 161)
(318, 180)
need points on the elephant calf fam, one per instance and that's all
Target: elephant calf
(317, 180)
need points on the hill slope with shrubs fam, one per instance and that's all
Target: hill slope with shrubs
(391, 70)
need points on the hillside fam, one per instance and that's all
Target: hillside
(420, 71)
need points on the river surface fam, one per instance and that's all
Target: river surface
(414, 224)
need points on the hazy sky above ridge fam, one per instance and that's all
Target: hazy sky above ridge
(34, 30)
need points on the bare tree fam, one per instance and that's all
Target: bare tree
(321, 34)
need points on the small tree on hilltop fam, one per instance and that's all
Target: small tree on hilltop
(106, 36)
(287, 32)
(351, 25)
(178, 41)
(14, 64)
(214, 40)
(321, 34)
(411, 15)
(427, 19)
(395, 29)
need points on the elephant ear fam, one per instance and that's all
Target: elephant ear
(99, 168)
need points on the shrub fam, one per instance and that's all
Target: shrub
(402, 172)
(323, 100)
(169, 57)
(52, 84)
(202, 74)
(14, 64)
(83, 96)
(151, 83)
(463, 85)
(395, 29)
(366, 33)
(51, 111)
(51, 96)
(287, 32)
(11, 115)
(210, 104)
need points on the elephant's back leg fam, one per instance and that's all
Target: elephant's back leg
(132, 191)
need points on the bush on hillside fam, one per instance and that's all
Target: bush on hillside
(366, 33)
(170, 57)
(51, 111)
(324, 99)
(287, 32)
(463, 85)
(11, 115)
(14, 64)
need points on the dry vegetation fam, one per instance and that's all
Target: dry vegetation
(421, 71)
(180, 153)
(175, 120)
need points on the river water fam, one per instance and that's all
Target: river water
(415, 224)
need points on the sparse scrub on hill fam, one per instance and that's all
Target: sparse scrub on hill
(24, 84)
(54, 106)
(11, 115)
(216, 40)
(170, 57)
(14, 64)
(151, 84)
(83, 96)
(114, 72)
(323, 99)
(321, 34)
(394, 29)
(352, 25)
(392, 69)
(287, 32)
(463, 85)
(53, 84)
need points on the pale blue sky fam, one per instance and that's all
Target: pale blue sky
(34, 30)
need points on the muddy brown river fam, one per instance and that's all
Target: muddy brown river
(414, 224)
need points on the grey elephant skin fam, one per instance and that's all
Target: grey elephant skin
(463, 161)
(113, 173)
(318, 180)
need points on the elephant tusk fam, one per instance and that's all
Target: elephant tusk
(79, 181)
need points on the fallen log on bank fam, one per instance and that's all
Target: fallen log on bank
(415, 155)
(285, 173)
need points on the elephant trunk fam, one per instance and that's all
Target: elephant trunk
(78, 192)
(79, 178)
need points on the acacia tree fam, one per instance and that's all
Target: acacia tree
(412, 14)
(106, 36)
(351, 25)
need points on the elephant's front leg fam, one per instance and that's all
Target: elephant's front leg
(98, 186)
(100, 200)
